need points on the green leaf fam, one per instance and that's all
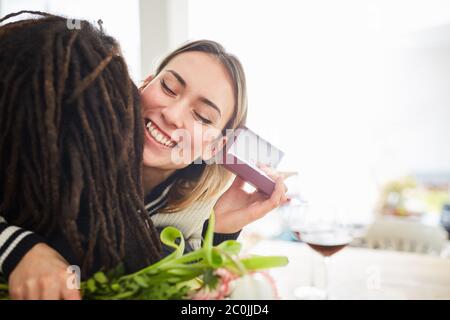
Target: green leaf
(192, 257)
(210, 279)
(193, 284)
(91, 286)
(169, 236)
(216, 258)
(100, 278)
(123, 295)
(186, 271)
(261, 262)
(233, 264)
(232, 247)
(141, 282)
(116, 287)
(209, 237)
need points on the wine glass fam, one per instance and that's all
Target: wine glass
(320, 226)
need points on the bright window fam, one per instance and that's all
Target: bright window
(348, 89)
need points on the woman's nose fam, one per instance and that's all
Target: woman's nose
(174, 114)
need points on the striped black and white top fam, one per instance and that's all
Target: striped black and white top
(15, 242)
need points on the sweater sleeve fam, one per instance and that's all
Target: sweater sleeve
(15, 242)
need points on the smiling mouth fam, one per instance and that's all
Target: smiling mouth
(158, 135)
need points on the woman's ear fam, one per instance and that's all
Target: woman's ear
(149, 78)
(214, 148)
(147, 81)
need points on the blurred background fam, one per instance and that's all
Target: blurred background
(356, 92)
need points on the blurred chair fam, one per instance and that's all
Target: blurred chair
(405, 235)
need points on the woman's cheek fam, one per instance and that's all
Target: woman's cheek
(151, 98)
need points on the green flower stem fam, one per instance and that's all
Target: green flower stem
(234, 264)
(191, 256)
(262, 262)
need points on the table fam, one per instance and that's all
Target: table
(358, 273)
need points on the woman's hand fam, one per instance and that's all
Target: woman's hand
(236, 208)
(41, 274)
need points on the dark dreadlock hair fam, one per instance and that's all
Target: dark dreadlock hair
(71, 140)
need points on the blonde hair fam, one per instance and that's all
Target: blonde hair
(198, 182)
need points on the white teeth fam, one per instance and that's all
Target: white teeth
(158, 136)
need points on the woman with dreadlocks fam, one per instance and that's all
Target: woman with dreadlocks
(71, 145)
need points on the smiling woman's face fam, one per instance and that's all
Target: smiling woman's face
(192, 93)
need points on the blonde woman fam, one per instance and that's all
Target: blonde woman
(197, 88)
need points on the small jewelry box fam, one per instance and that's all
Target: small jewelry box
(242, 154)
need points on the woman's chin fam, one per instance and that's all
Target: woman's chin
(153, 159)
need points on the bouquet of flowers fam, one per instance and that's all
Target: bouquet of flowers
(211, 272)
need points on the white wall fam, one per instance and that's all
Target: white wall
(120, 19)
(164, 26)
(418, 103)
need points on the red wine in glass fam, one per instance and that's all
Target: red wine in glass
(325, 242)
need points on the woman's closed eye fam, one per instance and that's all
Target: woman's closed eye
(197, 116)
(166, 89)
(200, 118)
